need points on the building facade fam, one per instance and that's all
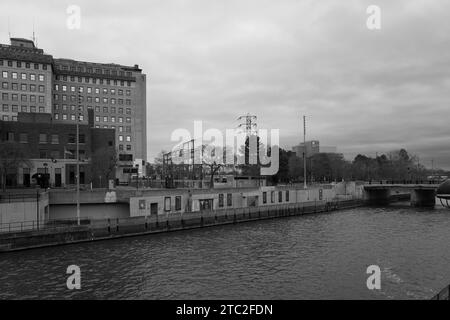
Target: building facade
(50, 149)
(33, 81)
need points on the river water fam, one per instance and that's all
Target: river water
(322, 256)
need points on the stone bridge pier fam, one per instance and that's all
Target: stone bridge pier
(423, 197)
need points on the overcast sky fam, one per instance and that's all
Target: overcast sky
(363, 91)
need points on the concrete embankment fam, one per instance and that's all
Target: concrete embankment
(115, 228)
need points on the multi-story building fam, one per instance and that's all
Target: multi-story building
(26, 79)
(33, 81)
(50, 148)
(311, 148)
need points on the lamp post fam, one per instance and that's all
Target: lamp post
(304, 153)
(78, 168)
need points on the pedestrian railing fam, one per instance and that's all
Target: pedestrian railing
(216, 215)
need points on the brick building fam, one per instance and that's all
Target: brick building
(35, 82)
(51, 149)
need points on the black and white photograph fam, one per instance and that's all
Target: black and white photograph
(224, 156)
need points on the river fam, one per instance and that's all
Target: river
(321, 256)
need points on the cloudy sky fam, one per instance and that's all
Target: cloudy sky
(364, 91)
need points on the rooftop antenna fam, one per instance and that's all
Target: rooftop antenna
(34, 36)
(9, 28)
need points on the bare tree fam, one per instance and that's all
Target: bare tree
(103, 164)
(213, 158)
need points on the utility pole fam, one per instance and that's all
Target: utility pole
(304, 153)
(78, 167)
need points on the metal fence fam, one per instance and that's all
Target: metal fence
(86, 222)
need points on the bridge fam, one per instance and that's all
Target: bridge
(421, 194)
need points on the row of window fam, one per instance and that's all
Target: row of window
(80, 99)
(93, 70)
(80, 89)
(23, 97)
(65, 116)
(23, 76)
(46, 138)
(229, 200)
(27, 65)
(15, 108)
(23, 87)
(93, 81)
(272, 196)
(112, 119)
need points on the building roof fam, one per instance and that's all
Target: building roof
(24, 54)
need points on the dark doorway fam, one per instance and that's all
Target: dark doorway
(154, 209)
(58, 178)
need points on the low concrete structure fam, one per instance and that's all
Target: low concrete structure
(421, 195)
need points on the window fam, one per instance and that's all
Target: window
(41, 109)
(55, 139)
(5, 74)
(280, 196)
(272, 197)
(167, 203)
(24, 76)
(178, 203)
(287, 195)
(5, 118)
(64, 116)
(42, 138)
(221, 202)
(24, 109)
(23, 138)
(72, 138)
(5, 108)
(97, 119)
(113, 119)
(10, 136)
(128, 111)
(128, 147)
(32, 77)
(32, 109)
(56, 116)
(15, 108)
(5, 97)
(128, 120)
(264, 197)
(128, 138)
(229, 200)
(82, 138)
(64, 88)
(105, 119)
(14, 75)
(41, 89)
(121, 138)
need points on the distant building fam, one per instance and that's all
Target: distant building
(311, 148)
(35, 82)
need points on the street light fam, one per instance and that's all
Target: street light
(78, 166)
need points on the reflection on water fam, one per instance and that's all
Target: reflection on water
(322, 256)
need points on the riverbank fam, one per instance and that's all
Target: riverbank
(99, 230)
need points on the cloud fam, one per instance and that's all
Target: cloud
(364, 91)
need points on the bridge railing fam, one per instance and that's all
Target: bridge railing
(406, 182)
(444, 294)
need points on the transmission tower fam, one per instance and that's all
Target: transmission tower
(249, 123)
